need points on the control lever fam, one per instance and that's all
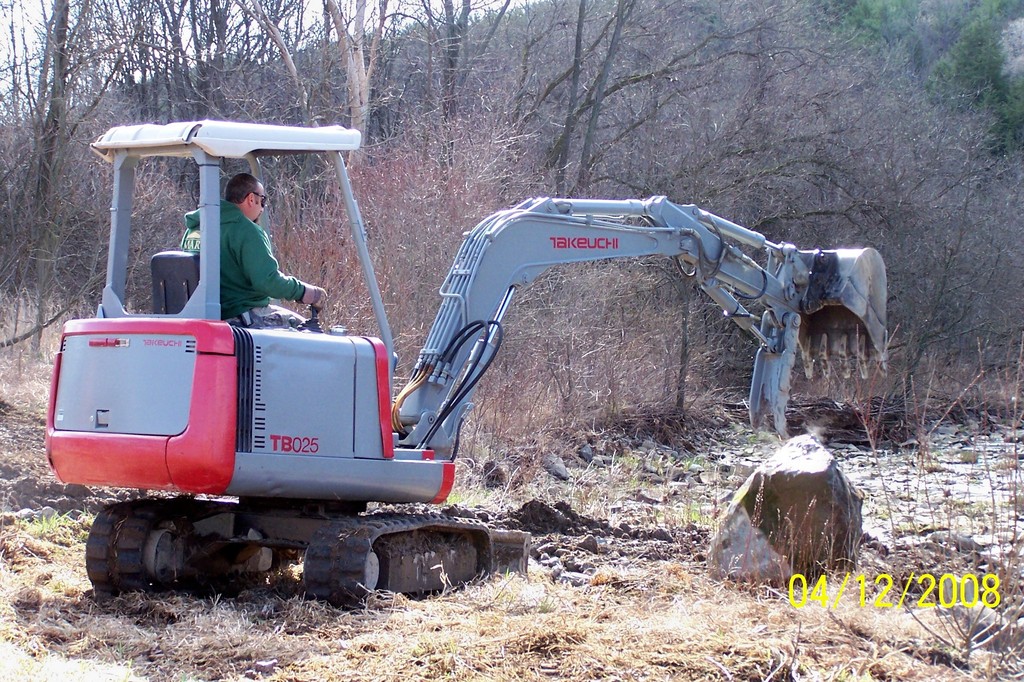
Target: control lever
(313, 323)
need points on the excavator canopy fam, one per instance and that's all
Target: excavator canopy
(223, 139)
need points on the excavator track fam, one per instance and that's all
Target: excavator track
(113, 552)
(337, 563)
(147, 545)
(120, 552)
(413, 554)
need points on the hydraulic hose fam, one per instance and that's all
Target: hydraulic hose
(473, 373)
(417, 380)
(423, 373)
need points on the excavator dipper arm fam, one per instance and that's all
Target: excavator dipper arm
(830, 303)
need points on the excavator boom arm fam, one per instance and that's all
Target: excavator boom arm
(510, 249)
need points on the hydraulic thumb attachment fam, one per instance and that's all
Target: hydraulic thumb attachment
(830, 304)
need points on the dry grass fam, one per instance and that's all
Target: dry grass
(652, 620)
(25, 376)
(649, 611)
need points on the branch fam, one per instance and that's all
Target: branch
(258, 15)
(14, 340)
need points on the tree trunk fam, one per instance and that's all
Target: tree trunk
(259, 15)
(359, 63)
(622, 13)
(560, 153)
(455, 27)
(685, 295)
(50, 155)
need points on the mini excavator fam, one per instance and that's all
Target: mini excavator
(270, 443)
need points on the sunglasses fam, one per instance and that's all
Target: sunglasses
(263, 199)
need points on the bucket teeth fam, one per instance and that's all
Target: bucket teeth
(840, 351)
(862, 355)
(807, 355)
(843, 311)
(823, 357)
(837, 354)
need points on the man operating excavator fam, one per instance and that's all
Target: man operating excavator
(249, 273)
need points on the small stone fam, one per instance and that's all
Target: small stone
(654, 479)
(574, 578)
(264, 667)
(554, 465)
(589, 544)
(553, 560)
(676, 474)
(546, 548)
(661, 534)
(461, 513)
(586, 453)
(44, 514)
(957, 541)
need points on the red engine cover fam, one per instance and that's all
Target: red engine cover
(200, 459)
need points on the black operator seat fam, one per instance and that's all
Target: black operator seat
(175, 277)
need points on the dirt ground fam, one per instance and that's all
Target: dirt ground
(624, 596)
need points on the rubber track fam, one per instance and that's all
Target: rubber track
(113, 552)
(97, 555)
(335, 562)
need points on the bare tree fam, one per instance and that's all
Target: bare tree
(254, 10)
(623, 9)
(74, 71)
(353, 25)
(560, 149)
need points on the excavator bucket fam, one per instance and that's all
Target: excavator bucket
(841, 324)
(842, 321)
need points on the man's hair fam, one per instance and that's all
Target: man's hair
(240, 186)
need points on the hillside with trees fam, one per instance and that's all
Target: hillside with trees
(890, 124)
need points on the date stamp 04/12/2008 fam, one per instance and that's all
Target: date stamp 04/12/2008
(917, 590)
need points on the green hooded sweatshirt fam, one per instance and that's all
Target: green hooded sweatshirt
(249, 273)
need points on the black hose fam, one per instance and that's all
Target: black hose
(702, 257)
(460, 338)
(473, 373)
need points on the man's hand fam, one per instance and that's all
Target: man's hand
(314, 296)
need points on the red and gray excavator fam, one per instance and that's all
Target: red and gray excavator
(266, 444)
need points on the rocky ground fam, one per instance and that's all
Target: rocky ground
(617, 587)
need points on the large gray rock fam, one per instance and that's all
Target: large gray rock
(797, 513)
